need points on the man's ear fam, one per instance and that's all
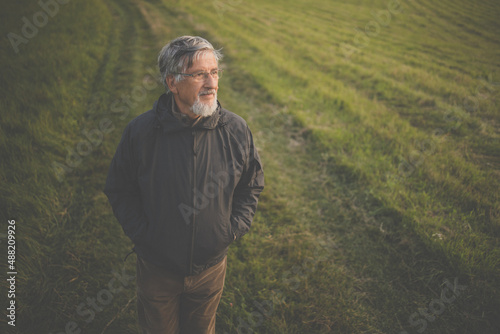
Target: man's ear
(172, 85)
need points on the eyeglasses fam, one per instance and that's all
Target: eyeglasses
(202, 75)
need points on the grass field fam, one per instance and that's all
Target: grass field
(377, 123)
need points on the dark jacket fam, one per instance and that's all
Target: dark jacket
(183, 194)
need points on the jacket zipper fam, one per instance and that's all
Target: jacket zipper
(191, 256)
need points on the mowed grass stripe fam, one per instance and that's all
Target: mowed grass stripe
(472, 21)
(438, 26)
(484, 44)
(412, 46)
(374, 56)
(482, 14)
(310, 33)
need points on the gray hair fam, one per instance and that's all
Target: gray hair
(178, 56)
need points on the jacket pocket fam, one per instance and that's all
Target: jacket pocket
(212, 240)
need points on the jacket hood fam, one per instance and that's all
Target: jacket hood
(169, 123)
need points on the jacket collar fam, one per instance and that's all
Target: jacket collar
(170, 123)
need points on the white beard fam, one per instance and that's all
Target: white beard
(202, 109)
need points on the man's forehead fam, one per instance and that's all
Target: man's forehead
(204, 60)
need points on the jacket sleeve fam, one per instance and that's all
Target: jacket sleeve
(247, 191)
(122, 190)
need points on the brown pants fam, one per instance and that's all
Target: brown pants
(173, 304)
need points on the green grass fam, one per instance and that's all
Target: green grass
(381, 168)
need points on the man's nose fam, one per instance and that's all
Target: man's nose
(211, 82)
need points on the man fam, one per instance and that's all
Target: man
(184, 184)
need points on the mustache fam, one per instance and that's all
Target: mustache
(207, 92)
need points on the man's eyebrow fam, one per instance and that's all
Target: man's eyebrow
(198, 71)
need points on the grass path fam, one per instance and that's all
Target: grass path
(69, 247)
